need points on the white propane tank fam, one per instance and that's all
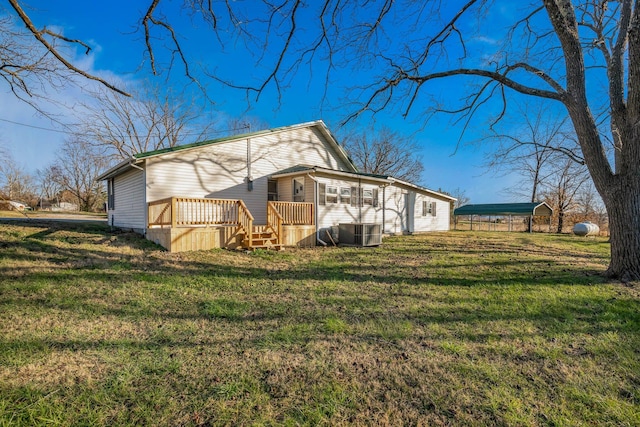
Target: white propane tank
(586, 229)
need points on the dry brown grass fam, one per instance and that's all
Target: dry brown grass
(449, 328)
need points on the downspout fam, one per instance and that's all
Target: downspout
(315, 211)
(384, 205)
(360, 200)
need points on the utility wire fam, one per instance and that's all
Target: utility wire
(72, 133)
(34, 127)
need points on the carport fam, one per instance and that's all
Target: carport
(504, 210)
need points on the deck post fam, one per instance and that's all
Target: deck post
(174, 212)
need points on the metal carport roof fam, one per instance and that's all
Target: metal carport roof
(516, 209)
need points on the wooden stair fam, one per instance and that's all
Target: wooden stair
(263, 237)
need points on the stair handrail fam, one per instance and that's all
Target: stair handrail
(275, 221)
(245, 222)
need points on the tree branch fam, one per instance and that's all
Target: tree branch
(38, 35)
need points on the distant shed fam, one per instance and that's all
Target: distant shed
(505, 209)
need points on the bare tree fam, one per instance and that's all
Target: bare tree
(563, 187)
(529, 148)
(17, 183)
(152, 121)
(461, 197)
(49, 182)
(553, 50)
(78, 165)
(590, 207)
(589, 203)
(34, 60)
(385, 152)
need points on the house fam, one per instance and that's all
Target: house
(18, 206)
(286, 186)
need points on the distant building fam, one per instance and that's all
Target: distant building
(15, 205)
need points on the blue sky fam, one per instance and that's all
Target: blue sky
(110, 28)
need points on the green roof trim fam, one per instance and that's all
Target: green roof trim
(522, 209)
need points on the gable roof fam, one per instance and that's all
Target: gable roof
(304, 169)
(518, 209)
(318, 124)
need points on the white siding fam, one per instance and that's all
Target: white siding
(333, 214)
(129, 201)
(396, 211)
(220, 170)
(395, 215)
(391, 208)
(438, 222)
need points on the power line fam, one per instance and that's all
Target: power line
(34, 127)
(137, 136)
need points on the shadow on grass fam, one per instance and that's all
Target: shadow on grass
(353, 284)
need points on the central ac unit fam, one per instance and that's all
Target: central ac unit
(360, 234)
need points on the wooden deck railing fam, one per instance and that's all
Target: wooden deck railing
(295, 213)
(245, 222)
(184, 212)
(275, 221)
(159, 213)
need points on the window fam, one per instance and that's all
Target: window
(298, 189)
(345, 195)
(370, 197)
(322, 194)
(110, 195)
(367, 196)
(332, 194)
(272, 190)
(428, 208)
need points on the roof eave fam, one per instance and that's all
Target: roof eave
(119, 168)
(435, 193)
(317, 169)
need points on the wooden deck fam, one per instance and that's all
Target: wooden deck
(187, 224)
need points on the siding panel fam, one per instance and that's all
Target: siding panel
(220, 170)
(129, 201)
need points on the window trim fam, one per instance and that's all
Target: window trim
(271, 196)
(367, 197)
(333, 195)
(298, 198)
(343, 198)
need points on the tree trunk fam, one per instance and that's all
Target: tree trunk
(560, 221)
(624, 228)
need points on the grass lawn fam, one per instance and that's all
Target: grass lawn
(458, 328)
